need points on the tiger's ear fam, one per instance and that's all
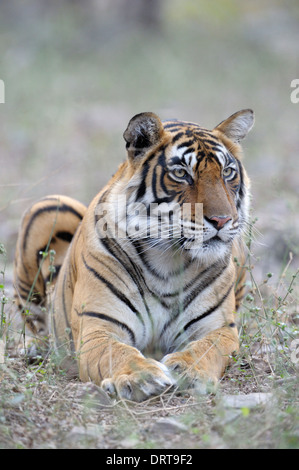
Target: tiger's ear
(237, 126)
(144, 130)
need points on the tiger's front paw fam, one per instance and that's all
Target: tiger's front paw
(151, 379)
(188, 374)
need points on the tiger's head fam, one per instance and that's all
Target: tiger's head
(187, 187)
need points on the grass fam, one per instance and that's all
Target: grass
(3, 297)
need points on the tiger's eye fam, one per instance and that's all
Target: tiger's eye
(228, 171)
(179, 172)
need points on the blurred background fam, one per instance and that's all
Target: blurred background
(76, 71)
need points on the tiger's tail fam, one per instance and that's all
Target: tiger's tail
(45, 234)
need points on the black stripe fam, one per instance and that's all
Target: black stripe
(25, 284)
(54, 208)
(52, 276)
(114, 290)
(162, 163)
(142, 187)
(207, 312)
(180, 124)
(209, 276)
(68, 327)
(121, 256)
(102, 316)
(64, 235)
(103, 196)
(187, 143)
(101, 200)
(140, 251)
(167, 199)
(241, 184)
(193, 281)
(108, 268)
(63, 301)
(154, 182)
(189, 150)
(176, 160)
(134, 272)
(203, 285)
(51, 198)
(200, 155)
(25, 298)
(173, 126)
(25, 290)
(238, 290)
(35, 299)
(177, 137)
(203, 133)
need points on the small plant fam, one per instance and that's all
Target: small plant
(4, 301)
(267, 327)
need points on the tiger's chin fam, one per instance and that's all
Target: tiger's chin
(210, 251)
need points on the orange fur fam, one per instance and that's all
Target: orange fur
(113, 301)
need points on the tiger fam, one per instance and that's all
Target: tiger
(145, 294)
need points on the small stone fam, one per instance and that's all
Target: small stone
(81, 432)
(169, 425)
(94, 395)
(129, 442)
(246, 401)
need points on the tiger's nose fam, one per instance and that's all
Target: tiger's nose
(219, 222)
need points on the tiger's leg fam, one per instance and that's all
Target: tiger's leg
(49, 224)
(107, 356)
(204, 361)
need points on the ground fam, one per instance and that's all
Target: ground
(42, 409)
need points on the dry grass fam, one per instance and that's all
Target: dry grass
(42, 409)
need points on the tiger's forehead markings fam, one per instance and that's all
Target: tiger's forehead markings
(224, 157)
(192, 143)
(179, 156)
